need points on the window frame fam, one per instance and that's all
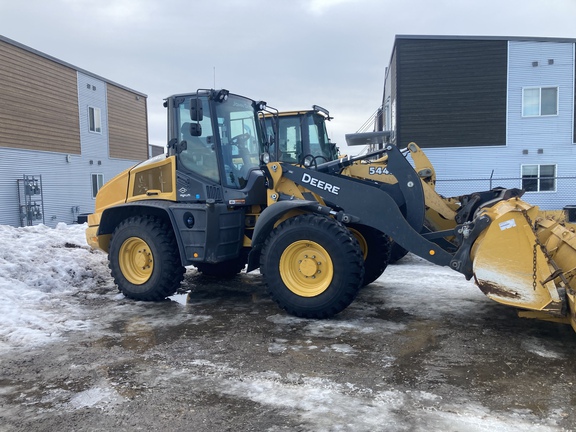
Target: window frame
(540, 88)
(539, 178)
(94, 119)
(99, 183)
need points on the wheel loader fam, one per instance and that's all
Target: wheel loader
(217, 202)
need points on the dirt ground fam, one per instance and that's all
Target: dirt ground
(225, 358)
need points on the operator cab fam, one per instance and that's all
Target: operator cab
(299, 135)
(216, 138)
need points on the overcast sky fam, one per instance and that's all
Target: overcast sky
(290, 53)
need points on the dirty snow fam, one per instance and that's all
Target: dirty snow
(42, 272)
(95, 397)
(45, 273)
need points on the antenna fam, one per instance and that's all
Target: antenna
(214, 72)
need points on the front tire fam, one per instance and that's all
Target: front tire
(312, 266)
(144, 259)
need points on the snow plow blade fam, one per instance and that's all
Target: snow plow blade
(527, 261)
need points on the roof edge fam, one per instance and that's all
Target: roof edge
(501, 38)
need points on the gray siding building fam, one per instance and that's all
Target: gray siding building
(488, 111)
(63, 132)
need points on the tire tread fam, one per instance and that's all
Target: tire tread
(172, 269)
(354, 259)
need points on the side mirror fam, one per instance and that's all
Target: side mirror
(196, 110)
(195, 129)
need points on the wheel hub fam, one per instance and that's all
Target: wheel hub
(306, 268)
(309, 267)
(136, 260)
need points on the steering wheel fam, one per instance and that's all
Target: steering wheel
(240, 139)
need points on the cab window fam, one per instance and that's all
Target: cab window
(289, 139)
(199, 154)
(237, 126)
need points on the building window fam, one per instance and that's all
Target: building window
(94, 120)
(539, 178)
(97, 182)
(539, 101)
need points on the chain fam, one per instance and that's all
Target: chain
(534, 268)
(557, 271)
(534, 253)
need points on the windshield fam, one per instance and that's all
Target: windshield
(320, 144)
(299, 135)
(238, 129)
(234, 122)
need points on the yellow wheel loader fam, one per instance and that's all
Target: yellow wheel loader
(215, 201)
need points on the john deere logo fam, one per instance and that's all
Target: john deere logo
(312, 181)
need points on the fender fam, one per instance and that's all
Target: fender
(112, 216)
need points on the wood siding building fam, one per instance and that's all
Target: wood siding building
(65, 129)
(487, 108)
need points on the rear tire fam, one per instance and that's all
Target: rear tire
(397, 253)
(144, 259)
(376, 248)
(312, 265)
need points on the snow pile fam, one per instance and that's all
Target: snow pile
(42, 271)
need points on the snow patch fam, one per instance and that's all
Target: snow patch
(537, 346)
(95, 397)
(343, 348)
(329, 406)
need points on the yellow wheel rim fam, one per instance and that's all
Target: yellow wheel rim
(136, 261)
(361, 241)
(306, 268)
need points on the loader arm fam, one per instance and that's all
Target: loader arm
(376, 208)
